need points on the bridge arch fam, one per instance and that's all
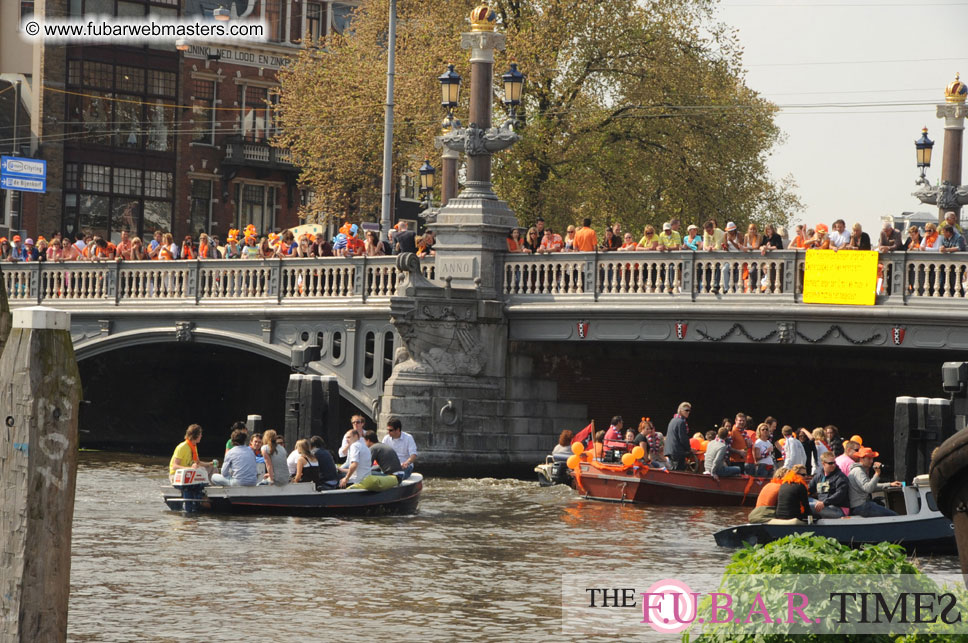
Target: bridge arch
(90, 347)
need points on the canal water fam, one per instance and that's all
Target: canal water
(482, 560)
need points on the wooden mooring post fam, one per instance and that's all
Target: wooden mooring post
(39, 394)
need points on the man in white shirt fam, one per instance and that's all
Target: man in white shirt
(404, 445)
(359, 461)
(358, 422)
(839, 237)
(793, 453)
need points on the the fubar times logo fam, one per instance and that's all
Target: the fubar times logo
(771, 604)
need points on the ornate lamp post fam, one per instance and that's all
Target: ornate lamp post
(923, 147)
(450, 82)
(472, 227)
(950, 195)
(427, 172)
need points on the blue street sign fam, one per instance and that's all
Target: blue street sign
(24, 175)
(22, 184)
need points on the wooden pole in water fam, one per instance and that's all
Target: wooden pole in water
(39, 393)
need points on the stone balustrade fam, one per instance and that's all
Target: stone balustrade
(903, 277)
(279, 280)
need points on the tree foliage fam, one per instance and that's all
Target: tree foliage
(633, 111)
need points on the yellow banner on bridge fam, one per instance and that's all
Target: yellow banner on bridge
(841, 277)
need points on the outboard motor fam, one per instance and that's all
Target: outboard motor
(191, 483)
(559, 472)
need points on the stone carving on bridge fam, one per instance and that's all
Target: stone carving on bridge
(184, 331)
(946, 195)
(786, 332)
(439, 326)
(106, 325)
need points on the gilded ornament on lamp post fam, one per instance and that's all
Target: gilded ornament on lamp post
(950, 194)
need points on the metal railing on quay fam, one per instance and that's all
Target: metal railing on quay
(902, 278)
(197, 281)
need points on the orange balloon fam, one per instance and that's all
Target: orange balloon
(857, 439)
(781, 442)
(638, 453)
(573, 461)
(628, 459)
(577, 448)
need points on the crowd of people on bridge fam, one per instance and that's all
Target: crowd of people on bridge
(812, 472)
(351, 241)
(541, 239)
(262, 458)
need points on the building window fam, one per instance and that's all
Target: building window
(26, 8)
(201, 210)
(274, 21)
(107, 200)
(203, 111)
(255, 120)
(256, 205)
(315, 25)
(341, 13)
(161, 83)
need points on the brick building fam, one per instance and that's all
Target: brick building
(146, 137)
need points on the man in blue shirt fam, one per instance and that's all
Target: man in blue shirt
(951, 240)
(239, 469)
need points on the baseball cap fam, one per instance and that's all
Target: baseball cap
(667, 226)
(730, 226)
(16, 237)
(29, 242)
(692, 226)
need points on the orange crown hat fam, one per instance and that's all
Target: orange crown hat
(250, 231)
(345, 228)
(821, 227)
(273, 239)
(233, 235)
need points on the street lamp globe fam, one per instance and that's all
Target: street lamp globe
(427, 172)
(513, 84)
(181, 44)
(449, 87)
(923, 147)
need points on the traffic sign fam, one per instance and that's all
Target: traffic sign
(30, 168)
(23, 175)
(22, 184)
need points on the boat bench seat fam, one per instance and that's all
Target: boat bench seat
(786, 521)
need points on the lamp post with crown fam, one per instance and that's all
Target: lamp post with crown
(950, 195)
(472, 226)
(450, 82)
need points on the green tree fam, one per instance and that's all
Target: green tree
(633, 112)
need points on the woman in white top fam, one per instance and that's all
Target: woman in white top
(932, 238)
(763, 451)
(275, 456)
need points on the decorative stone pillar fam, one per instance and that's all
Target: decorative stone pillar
(472, 228)
(950, 195)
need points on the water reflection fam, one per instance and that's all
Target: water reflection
(482, 560)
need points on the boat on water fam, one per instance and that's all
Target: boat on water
(639, 483)
(191, 492)
(920, 526)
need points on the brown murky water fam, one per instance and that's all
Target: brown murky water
(480, 561)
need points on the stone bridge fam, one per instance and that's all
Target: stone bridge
(359, 320)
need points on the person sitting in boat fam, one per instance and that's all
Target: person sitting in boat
(739, 443)
(328, 473)
(359, 423)
(403, 443)
(307, 466)
(358, 460)
(862, 485)
(562, 450)
(385, 457)
(255, 443)
(834, 441)
(238, 470)
(615, 436)
(274, 455)
(830, 488)
(763, 452)
(186, 453)
(765, 509)
(716, 451)
(677, 438)
(792, 499)
(847, 459)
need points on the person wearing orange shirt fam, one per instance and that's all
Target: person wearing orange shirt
(585, 238)
(738, 444)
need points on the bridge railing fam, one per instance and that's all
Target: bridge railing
(282, 280)
(902, 277)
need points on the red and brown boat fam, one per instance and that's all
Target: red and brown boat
(642, 484)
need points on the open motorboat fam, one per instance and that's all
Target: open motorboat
(554, 470)
(919, 527)
(642, 484)
(191, 492)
